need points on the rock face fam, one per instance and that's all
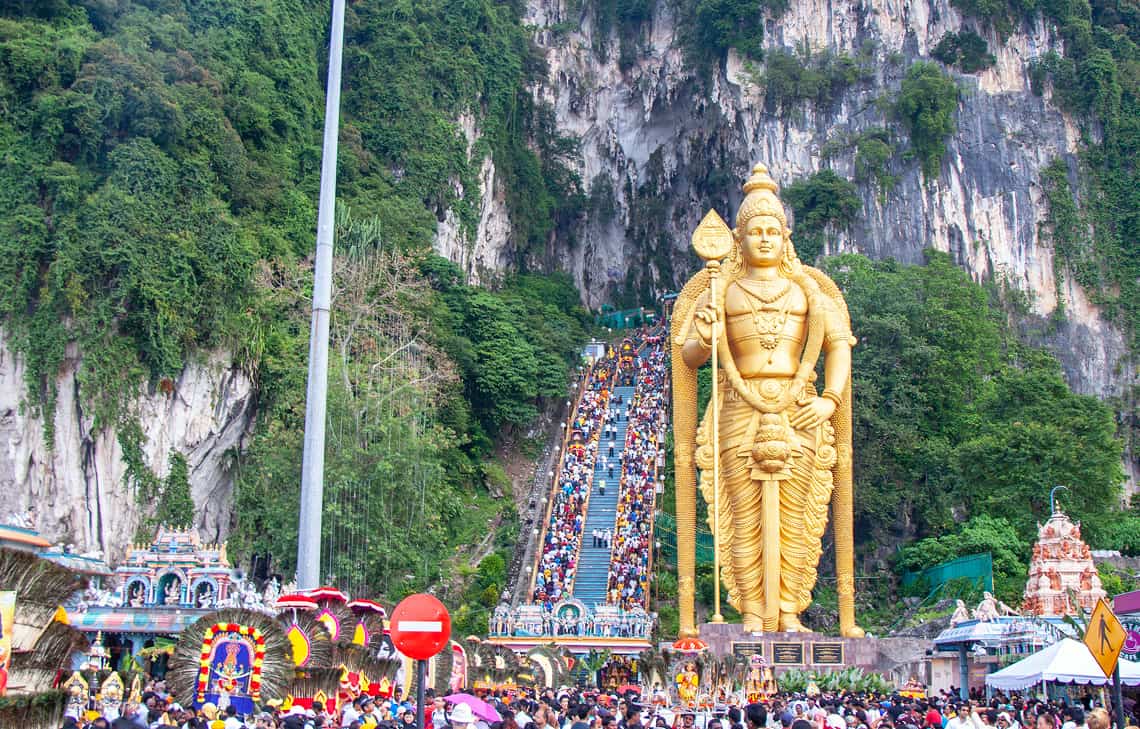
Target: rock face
(662, 141)
(78, 488)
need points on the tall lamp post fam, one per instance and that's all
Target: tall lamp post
(316, 395)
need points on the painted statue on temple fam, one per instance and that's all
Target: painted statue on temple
(961, 613)
(173, 593)
(781, 442)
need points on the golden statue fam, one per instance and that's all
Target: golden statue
(687, 682)
(780, 452)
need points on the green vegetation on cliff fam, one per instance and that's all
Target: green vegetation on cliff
(158, 189)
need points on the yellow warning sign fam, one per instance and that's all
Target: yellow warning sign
(1105, 637)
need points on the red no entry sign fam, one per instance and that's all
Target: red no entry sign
(420, 626)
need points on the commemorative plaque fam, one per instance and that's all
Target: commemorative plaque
(744, 650)
(827, 654)
(787, 654)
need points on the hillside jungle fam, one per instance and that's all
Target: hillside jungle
(158, 187)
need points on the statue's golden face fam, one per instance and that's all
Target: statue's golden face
(762, 241)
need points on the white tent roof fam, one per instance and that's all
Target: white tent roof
(1067, 661)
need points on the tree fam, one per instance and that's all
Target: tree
(926, 105)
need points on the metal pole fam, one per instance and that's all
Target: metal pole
(421, 679)
(1118, 698)
(316, 395)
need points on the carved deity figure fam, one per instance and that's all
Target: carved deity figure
(687, 683)
(961, 613)
(173, 593)
(206, 597)
(987, 610)
(784, 438)
(137, 597)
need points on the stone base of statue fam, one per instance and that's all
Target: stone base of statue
(899, 659)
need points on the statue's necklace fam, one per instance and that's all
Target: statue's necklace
(769, 324)
(766, 291)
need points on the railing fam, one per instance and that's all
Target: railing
(586, 378)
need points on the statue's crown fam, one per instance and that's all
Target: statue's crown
(761, 180)
(761, 197)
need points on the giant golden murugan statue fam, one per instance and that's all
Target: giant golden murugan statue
(781, 450)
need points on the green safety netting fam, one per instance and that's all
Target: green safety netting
(665, 531)
(978, 568)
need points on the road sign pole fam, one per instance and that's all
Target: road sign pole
(421, 678)
(1118, 698)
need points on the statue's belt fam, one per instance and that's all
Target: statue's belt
(769, 388)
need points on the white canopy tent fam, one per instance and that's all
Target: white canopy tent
(1067, 661)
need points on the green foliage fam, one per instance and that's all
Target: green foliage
(717, 25)
(423, 378)
(965, 49)
(982, 533)
(512, 346)
(790, 79)
(925, 106)
(175, 506)
(1119, 531)
(952, 414)
(849, 679)
(1117, 580)
(822, 202)
(874, 149)
(155, 153)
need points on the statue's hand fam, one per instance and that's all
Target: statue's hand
(815, 412)
(703, 323)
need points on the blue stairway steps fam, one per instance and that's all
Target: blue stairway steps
(594, 562)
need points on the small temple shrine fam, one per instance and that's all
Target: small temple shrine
(161, 588)
(1061, 565)
(175, 570)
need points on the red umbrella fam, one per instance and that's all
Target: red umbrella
(296, 601)
(327, 593)
(690, 645)
(367, 606)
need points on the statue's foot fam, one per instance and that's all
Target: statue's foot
(853, 631)
(752, 623)
(790, 623)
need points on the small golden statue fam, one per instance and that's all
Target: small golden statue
(687, 683)
(774, 451)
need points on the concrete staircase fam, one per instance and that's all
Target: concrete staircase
(594, 562)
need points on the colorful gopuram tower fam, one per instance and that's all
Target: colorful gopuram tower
(1061, 567)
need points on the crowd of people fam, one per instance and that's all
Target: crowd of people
(523, 707)
(627, 584)
(560, 546)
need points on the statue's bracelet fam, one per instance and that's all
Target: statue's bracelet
(833, 396)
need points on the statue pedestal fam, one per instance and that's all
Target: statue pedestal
(898, 658)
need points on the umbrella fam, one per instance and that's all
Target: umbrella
(690, 645)
(296, 600)
(479, 708)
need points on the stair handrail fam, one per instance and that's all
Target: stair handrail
(587, 376)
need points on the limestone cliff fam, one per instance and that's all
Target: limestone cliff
(664, 141)
(78, 487)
